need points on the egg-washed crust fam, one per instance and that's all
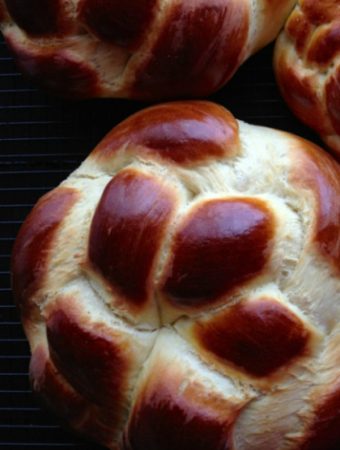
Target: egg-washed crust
(158, 49)
(143, 49)
(307, 66)
(183, 282)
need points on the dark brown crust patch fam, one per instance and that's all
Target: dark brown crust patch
(193, 55)
(39, 17)
(57, 394)
(221, 245)
(163, 419)
(258, 336)
(34, 241)
(72, 408)
(126, 232)
(181, 132)
(121, 22)
(88, 358)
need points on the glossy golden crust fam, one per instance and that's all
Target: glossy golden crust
(195, 41)
(146, 49)
(83, 355)
(183, 282)
(307, 65)
(185, 133)
(258, 336)
(222, 244)
(132, 204)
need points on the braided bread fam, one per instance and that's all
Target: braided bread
(141, 49)
(151, 49)
(179, 289)
(307, 65)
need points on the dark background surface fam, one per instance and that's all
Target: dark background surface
(42, 140)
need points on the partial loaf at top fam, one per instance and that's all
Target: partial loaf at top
(143, 49)
(156, 49)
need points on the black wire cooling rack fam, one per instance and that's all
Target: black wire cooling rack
(42, 139)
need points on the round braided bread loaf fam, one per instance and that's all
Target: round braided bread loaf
(307, 65)
(180, 289)
(137, 48)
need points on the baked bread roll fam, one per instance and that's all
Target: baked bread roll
(144, 49)
(307, 65)
(180, 289)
